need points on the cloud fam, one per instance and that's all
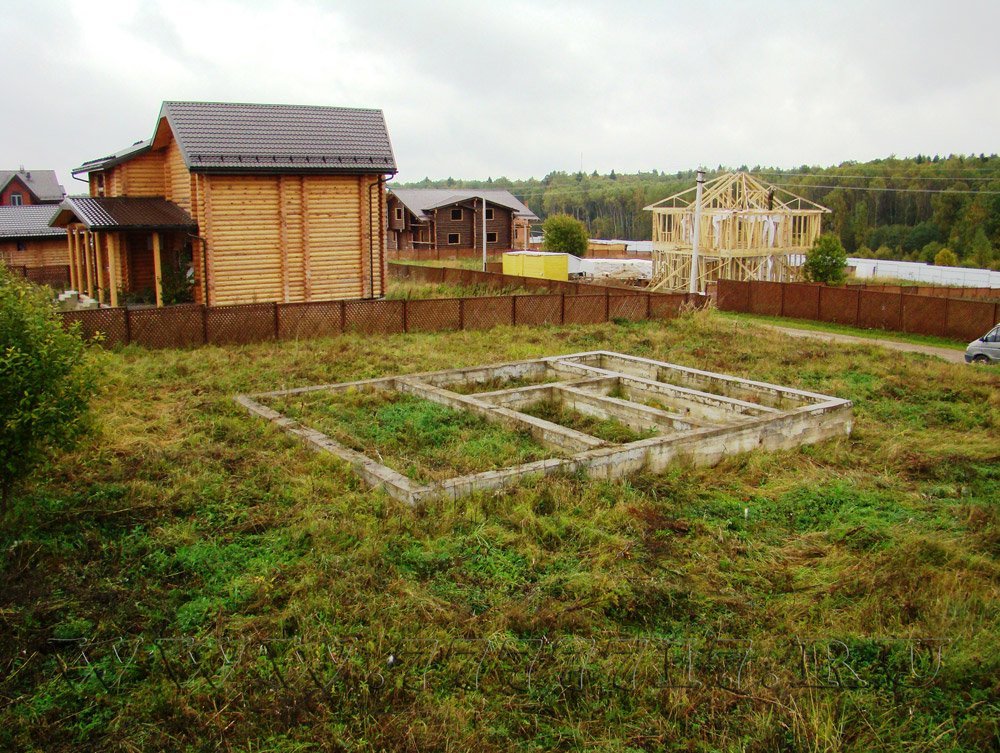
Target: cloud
(520, 89)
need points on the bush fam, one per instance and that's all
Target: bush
(565, 235)
(46, 380)
(826, 261)
(945, 258)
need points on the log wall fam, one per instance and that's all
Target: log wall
(38, 252)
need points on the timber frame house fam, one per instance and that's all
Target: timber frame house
(748, 231)
(452, 219)
(249, 203)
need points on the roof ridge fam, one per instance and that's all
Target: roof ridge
(270, 104)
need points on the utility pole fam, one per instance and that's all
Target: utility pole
(484, 232)
(693, 281)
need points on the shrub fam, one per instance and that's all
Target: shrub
(46, 380)
(826, 261)
(945, 258)
(565, 234)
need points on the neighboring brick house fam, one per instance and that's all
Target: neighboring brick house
(452, 219)
(29, 187)
(28, 243)
(252, 203)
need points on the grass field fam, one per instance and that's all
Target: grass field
(238, 592)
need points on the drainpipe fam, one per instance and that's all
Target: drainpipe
(693, 280)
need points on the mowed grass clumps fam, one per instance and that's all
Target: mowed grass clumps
(421, 439)
(240, 592)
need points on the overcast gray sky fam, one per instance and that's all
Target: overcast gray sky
(481, 89)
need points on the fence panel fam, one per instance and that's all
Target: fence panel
(109, 324)
(765, 298)
(839, 305)
(170, 327)
(801, 301)
(629, 307)
(925, 315)
(373, 317)
(315, 319)
(241, 324)
(56, 275)
(666, 306)
(433, 315)
(484, 313)
(968, 320)
(538, 309)
(585, 309)
(733, 295)
(879, 310)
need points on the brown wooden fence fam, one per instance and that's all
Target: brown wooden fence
(454, 276)
(194, 324)
(56, 275)
(935, 291)
(954, 318)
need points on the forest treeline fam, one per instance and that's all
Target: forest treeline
(892, 208)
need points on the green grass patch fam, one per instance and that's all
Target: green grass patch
(263, 589)
(608, 429)
(843, 329)
(421, 439)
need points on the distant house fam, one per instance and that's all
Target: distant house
(445, 218)
(27, 240)
(253, 203)
(29, 187)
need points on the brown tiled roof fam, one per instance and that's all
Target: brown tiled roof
(248, 138)
(420, 201)
(28, 221)
(42, 183)
(123, 213)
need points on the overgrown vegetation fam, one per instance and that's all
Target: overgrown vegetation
(325, 616)
(420, 439)
(46, 381)
(608, 429)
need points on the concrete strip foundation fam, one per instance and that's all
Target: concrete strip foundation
(698, 416)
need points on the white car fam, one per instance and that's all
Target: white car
(986, 349)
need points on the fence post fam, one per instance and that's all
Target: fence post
(128, 326)
(343, 316)
(406, 317)
(513, 311)
(562, 308)
(781, 298)
(277, 326)
(204, 324)
(607, 305)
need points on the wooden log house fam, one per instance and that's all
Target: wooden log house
(452, 219)
(251, 203)
(26, 239)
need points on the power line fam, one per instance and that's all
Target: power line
(994, 177)
(889, 190)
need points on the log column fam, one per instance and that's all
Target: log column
(90, 268)
(113, 267)
(99, 263)
(73, 282)
(157, 270)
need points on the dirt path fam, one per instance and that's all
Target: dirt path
(955, 356)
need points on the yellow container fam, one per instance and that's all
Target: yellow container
(534, 264)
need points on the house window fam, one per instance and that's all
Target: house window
(489, 214)
(21, 245)
(456, 214)
(16, 200)
(454, 238)
(399, 214)
(100, 184)
(491, 237)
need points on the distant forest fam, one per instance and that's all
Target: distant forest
(889, 208)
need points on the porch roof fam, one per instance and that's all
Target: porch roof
(123, 213)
